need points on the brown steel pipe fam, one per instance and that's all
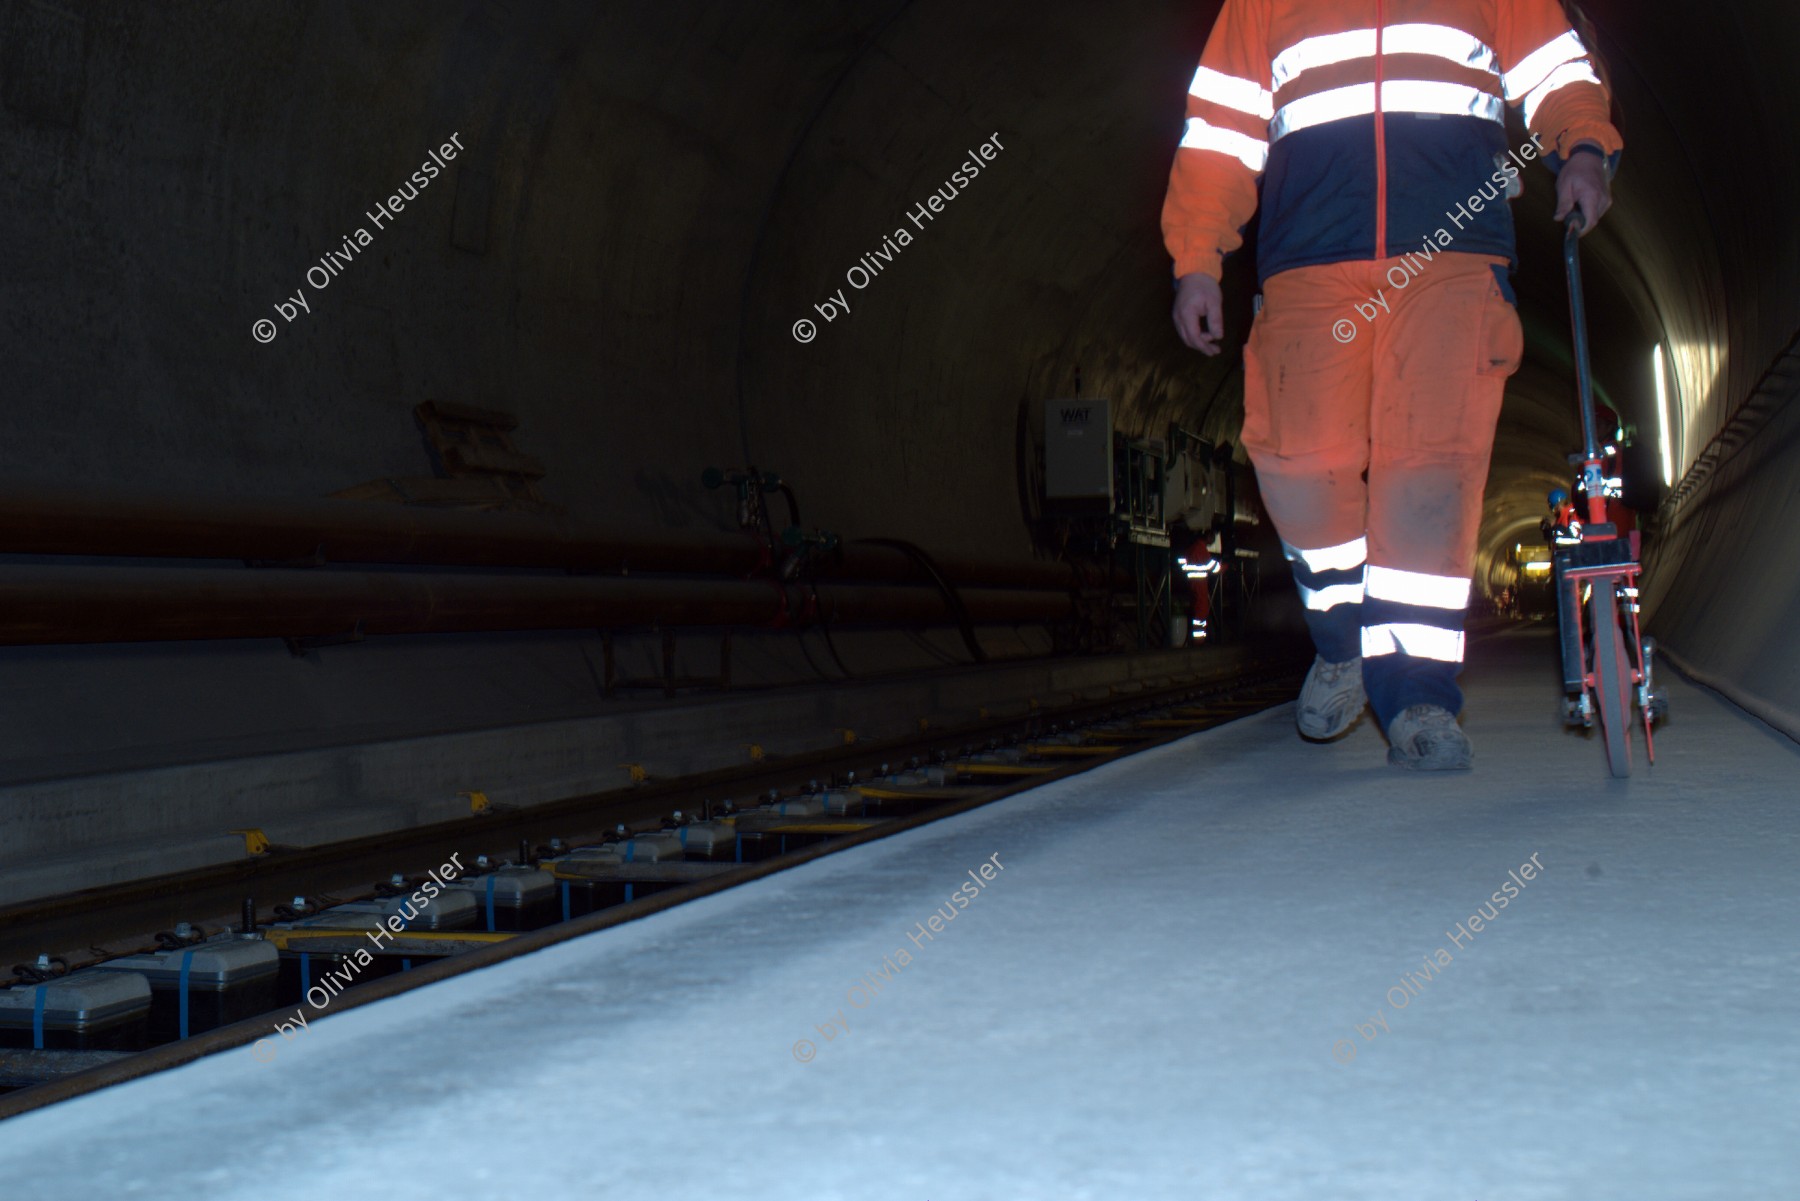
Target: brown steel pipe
(41, 605)
(42, 522)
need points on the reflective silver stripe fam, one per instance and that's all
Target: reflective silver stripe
(1535, 67)
(1343, 557)
(1562, 77)
(1319, 600)
(1200, 135)
(1439, 41)
(1421, 642)
(1431, 96)
(1321, 51)
(1418, 588)
(1397, 96)
(1243, 95)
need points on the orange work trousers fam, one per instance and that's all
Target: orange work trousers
(1372, 391)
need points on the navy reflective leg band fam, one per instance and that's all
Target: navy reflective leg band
(305, 974)
(37, 1018)
(565, 900)
(490, 904)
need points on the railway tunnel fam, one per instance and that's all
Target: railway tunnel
(685, 435)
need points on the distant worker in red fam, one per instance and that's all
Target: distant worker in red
(1612, 483)
(1561, 525)
(1199, 566)
(1385, 330)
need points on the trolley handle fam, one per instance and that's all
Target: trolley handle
(1584, 381)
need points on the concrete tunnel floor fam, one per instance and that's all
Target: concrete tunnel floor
(1147, 1001)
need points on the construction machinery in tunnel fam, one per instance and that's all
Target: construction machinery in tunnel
(649, 203)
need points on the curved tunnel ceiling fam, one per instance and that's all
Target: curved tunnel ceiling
(1050, 269)
(652, 195)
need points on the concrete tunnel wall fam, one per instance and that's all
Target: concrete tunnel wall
(650, 197)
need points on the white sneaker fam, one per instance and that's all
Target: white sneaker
(1331, 699)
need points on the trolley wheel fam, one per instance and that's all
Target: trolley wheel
(1612, 678)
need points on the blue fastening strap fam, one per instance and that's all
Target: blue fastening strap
(740, 848)
(565, 885)
(683, 833)
(490, 904)
(37, 1018)
(628, 894)
(405, 965)
(631, 850)
(305, 973)
(187, 965)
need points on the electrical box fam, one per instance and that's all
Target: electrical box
(1078, 451)
(1190, 492)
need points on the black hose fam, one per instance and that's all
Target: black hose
(952, 598)
(825, 628)
(800, 640)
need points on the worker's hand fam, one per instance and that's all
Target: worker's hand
(1582, 184)
(1197, 300)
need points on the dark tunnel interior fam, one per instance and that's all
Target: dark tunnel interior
(650, 197)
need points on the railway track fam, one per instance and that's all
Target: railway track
(563, 870)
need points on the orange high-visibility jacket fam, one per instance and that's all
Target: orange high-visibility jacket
(1288, 94)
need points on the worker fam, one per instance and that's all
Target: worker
(1612, 490)
(1561, 526)
(1385, 329)
(1198, 566)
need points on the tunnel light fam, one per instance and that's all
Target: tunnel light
(1537, 569)
(1662, 413)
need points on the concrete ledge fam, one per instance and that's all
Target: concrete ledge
(63, 835)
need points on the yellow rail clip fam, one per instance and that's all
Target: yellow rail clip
(478, 801)
(255, 841)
